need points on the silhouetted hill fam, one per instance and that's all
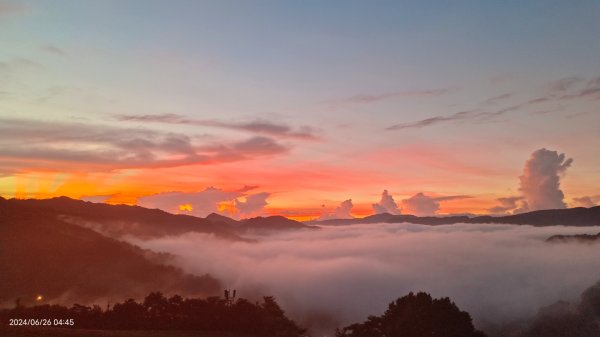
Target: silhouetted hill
(222, 220)
(118, 220)
(272, 223)
(579, 238)
(257, 224)
(429, 220)
(376, 218)
(390, 218)
(567, 217)
(41, 254)
(578, 216)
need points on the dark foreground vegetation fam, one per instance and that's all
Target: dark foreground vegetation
(416, 316)
(65, 332)
(157, 316)
(580, 318)
(422, 316)
(213, 316)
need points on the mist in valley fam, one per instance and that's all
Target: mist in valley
(330, 277)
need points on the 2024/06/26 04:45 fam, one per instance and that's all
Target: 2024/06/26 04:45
(41, 322)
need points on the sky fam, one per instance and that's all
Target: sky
(296, 108)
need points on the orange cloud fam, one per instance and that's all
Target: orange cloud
(186, 208)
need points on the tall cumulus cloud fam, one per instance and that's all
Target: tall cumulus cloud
(540, 181)
(386, 204)
(343, 211)
(421, 205)
(540, 185)
(253, 204)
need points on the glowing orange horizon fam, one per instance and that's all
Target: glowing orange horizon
(299, 190)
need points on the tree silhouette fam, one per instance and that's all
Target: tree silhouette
(156, 312)
(416, 316)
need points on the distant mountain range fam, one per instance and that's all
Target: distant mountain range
(118, 220)
(579, 216)
(41, 254)
(258, 224)
(66, 249)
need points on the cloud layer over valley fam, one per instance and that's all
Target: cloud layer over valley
(339, 275)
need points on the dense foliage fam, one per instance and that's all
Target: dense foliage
(416, 316)
(174, 313)
(580, 319)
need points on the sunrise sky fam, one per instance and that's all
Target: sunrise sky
(293, 107)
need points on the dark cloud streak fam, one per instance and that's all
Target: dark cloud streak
(257, 126)
(34, 144)
(424, 205)
(436, 120)
(565, 89)
(370, 98)
(53, 50)
(508, 205)
(496, 99)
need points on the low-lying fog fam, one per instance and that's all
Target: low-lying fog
(339, 275)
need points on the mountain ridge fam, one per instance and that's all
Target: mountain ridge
(576, 238)
(157, 222)
(47, 256)
(119, 220)
(578, 216)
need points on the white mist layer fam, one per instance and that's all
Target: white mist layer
(339, 275)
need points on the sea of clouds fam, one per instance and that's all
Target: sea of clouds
(341, 274)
